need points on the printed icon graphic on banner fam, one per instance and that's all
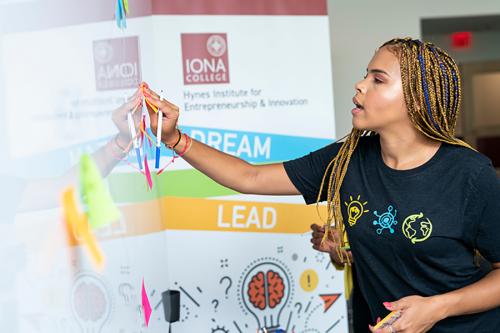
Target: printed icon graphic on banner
(265, 290)
(309, 280)
(90, 302)
(205, 58)
(268, 283)
(219, 329)
(117, 63)
(216, 45)
(329, 300)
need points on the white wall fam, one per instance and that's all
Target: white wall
(486, 100)
(358, 27)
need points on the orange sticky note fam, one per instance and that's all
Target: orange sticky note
(79, 224)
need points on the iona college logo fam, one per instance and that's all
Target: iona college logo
(116, 63)
(205, 58)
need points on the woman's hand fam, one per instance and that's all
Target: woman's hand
(418, 315)
(329, 245)
(169, 134)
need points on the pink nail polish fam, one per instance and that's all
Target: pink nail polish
(387, 305)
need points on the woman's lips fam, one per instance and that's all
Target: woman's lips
(358, 107)
(356, 111)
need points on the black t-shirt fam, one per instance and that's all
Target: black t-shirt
(413, 232)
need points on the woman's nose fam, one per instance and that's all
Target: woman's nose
(359, 86)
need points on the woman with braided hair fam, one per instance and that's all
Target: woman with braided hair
(416, 203)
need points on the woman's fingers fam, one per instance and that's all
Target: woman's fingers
(321, 235)
(319, 244)
(173, 106)
(155, 98)
(152, 116)
(317, 227)
(154, 105)
(317, 240)
(152, 94)
(317, 234)
(169, 110)
(161, 103)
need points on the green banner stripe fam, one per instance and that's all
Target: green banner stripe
(132, 187)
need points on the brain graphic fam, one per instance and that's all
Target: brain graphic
(90, 302)
(268, 284)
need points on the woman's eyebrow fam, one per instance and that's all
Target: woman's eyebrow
(376, 70)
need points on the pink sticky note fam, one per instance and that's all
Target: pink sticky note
(148, 173)
(145, 304)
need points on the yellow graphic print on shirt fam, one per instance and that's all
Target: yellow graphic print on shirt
(416, 228)
(355, 209)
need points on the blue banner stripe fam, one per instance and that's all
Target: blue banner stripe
(253, 147)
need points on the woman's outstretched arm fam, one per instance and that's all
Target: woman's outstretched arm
(225, 169)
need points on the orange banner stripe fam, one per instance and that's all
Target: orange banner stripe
(195, 214)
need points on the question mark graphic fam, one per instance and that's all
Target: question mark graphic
(216, 304)
(229, 284)
(299, 306)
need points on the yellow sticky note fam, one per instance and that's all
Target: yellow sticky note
(101, 210)
(79, 224)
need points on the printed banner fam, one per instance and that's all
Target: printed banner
(252, 79)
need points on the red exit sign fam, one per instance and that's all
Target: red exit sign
(461, 39)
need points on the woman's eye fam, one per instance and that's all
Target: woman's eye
(377, 81)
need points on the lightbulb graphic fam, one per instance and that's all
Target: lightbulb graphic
(90, 303)
(126, 291)
(355, 209)
(265, 292)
